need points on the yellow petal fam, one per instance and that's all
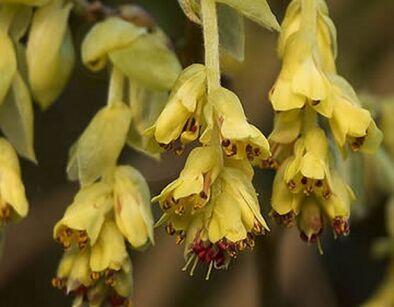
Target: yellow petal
(109, 251)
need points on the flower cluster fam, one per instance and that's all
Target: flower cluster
(112, 207)
(36, 60)
(212, 207)
(308, 190)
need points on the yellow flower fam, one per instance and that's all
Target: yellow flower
(226, 225)
(326, 41)
(84, 218)
(50, 52)
(132, 206)
(337, 207)
(155, 65)
(13, 202)
(310, 221)
(308, 169)
(111, 34)
(239, 139)
(75, 277)
(301, 79)
(192, 190)
(350, 122)
(98, 148)
(182, 116)
(285, 204)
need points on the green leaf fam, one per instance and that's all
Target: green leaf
(231, 32)
(149, 61)
(146, 106)
(256, 10)
(16, 118)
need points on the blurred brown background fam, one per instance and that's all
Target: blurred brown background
(283, 271)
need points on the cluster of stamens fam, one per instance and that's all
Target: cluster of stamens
(67, 236)
(230, 149)
(287, 220)
(309, 185)
(340, 226)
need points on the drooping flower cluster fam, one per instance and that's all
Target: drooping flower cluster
(212, 207)
(36, 60)
(112, 207)
(307, 188)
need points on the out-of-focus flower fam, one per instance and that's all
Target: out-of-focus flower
(154, 64)
(132, 206)
(182, 117)
(50, 52)
(13, 203)
(98, 148)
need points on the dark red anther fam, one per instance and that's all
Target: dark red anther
(226, 143)
(341, 226)
(117, 300)
(203, 195)
(304, 180)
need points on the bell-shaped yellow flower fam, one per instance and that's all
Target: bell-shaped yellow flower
(351, 123)
(132, 206)
(192, 190)
(325, 32)
(310, 220)
(301, 79)
(13, 202)
(7, 64)
(239, 139)
(308, 169)
(226, 225)
(50, 52)
(285, 204)
(337, 207)
(111, 34)
(84, 218)
(98, 148)
(182, 116)
(76, 277)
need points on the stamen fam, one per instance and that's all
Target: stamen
(95, 275)
(189, 261)
(170, 229)
(179, 150)
(180, 238)
(315, 102)
(180, 210)
(194, 266)
(226, 143)
(291, 185)
(209, 270)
